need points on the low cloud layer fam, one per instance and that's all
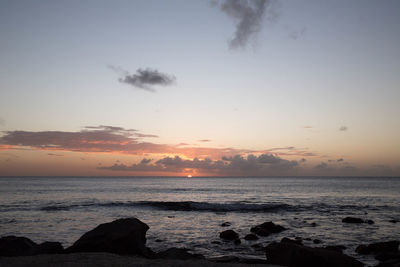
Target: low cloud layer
(111, 139)
(252, 165)
(248, 15)
(145, 79)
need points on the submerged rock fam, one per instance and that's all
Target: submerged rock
(356, 220)
(295, 241)
(229, 235)
(123, 236)
(375, 248)
(226, 224)
(251, 237)
(294, 255)
(267, 228)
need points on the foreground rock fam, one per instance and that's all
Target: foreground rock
(229, 235)
(123, 236)
(380, 247)
(356, 220)
(267, 228)
(11, 246)
(294, 255)
(177, 254)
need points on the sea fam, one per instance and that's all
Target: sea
(188, 212)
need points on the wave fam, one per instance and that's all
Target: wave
(199, 206)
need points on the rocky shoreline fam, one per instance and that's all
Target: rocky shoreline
(123, 243)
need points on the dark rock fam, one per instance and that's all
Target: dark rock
(267, 228)
(216, 242)
(288, 240)
(251, 237)
(224, 259)
(159, 240)
(226, 224)
(293, 255)
(252, 261)
(307, 239)
(11, 246)
(237, 241)
(178, 254)
(375, 248)
(123, 236)
(313, 224)
(229, 235)
(370, 221)
(338, 248)
(49, 248)
(298, 238)
(385, 256)
(317, 241)
(394, 221)
(352, 220)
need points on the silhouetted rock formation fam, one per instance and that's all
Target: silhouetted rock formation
(375, 248)
(267, 228)
(251, 237)
(294, 255)
(229, 235)
(226, 224)
(123, 236)
(12, 246)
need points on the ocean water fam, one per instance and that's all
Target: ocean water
(188, 212)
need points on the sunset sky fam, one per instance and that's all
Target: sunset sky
(179, 87)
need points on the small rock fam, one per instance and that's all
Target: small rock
(352, 220)
(394, 221)
(237, 241)
(317, 241)
(224, 259)
(370, 221)
(216, 242)
(313, 224)
(267, 228)
(251, 237)
(375, 248)
(49, 248)
(159, 240)
(226, 224)
(229, 235)
(11, 246)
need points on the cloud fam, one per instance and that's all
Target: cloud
(308, 127)
(340, 160)
(248, 15)
(296, 34)
(321, 166)
(205, 140)
(252, 165)
(144, 78)
(343, 128)
(54, 155)
(118, 140)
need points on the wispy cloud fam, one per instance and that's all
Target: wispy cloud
(248, 15)
(144, 79)
(111, 139)
(205, 140)
(343, 128)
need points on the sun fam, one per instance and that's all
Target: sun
(189, 176)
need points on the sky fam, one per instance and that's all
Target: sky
(198, 87)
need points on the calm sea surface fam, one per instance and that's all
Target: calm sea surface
(188, 212)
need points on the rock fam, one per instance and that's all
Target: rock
(385, 256)
(288, 240)
(338, 248)
(226, 224)
(352, 220)
(237, 241)
(224, 259)
(313, 224)
(307, 239)
(317, 241)
(252, 261)
(294, 255)
(178, 254)
(11, 246)
(375, 248)
(216, 242)
(394, 221)
(49, 248)
(389, 263)
(229, 235)
(251, 237)
(370, 221)
(267, 228)
(159, 240)
(122, 236)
